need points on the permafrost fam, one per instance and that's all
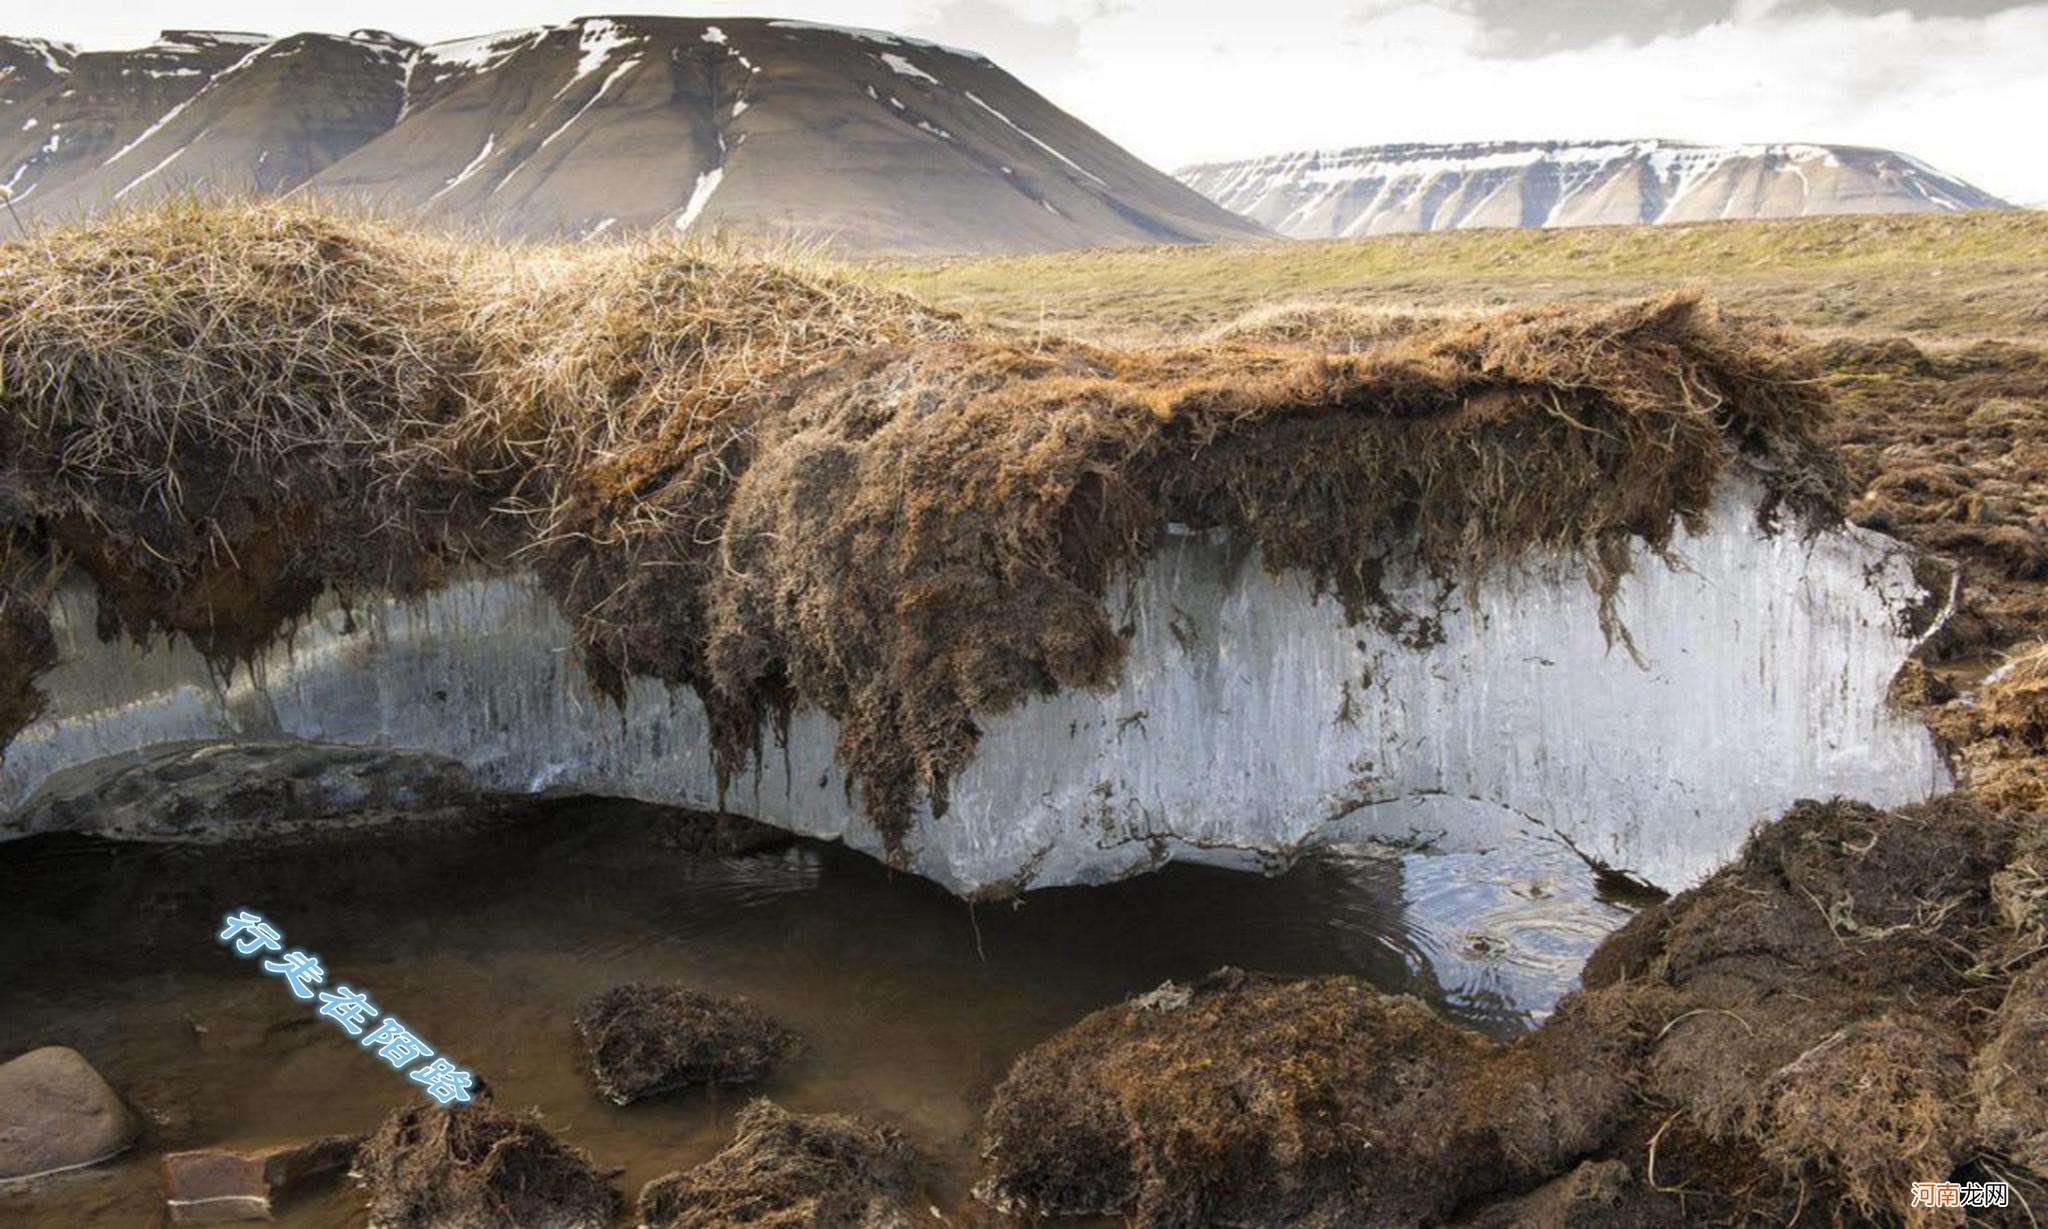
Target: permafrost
(1251, 720)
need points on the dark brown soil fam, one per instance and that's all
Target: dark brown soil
(476, 1167)
(1845, 1010)
(27, 649)
(645, 1039)
(790, 1171)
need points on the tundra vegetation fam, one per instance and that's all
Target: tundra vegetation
(787, 485)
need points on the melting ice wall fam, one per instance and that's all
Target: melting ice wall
(1251, 719)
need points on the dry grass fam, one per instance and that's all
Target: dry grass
(476, 1167)
(1999, 736)
(646, 1038)
(791, 1171)
(782, 487)
(1931, 276)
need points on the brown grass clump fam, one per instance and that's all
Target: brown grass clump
(1333, 328)
(783, 488)
(1847, 1009)
(790, 1171)
(1948, 449)
(1247, 1100)
(645, 1039)
(475, 1167)
(1999, 736)
(1876, 1105)
(2010, 1073)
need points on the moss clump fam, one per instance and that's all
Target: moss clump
(645, 1039)
(790, 1171)
(784, 488)
(475, 1167)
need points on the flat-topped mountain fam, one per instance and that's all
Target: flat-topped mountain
(598, 125)
(1380, 189)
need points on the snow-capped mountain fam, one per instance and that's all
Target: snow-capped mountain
(594, 126)
(1381, 189)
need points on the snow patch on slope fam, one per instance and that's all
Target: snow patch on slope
(902, 67)
(180, 109)
(700, 196)
(1077, 167)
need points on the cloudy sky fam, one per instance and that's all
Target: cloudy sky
(1962, 84)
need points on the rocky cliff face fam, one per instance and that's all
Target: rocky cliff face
(595, 126)
(1382, 189)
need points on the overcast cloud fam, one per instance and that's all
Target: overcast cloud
(1958, 83)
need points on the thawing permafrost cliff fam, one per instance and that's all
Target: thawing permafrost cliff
(1011, 610)
(1251, 721)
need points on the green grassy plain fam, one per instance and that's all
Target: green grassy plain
(1933, 277)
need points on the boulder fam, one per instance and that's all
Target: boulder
(212, 1185)
(793, 1171)
(57, 1113)
(222, 789)
(647, 1038)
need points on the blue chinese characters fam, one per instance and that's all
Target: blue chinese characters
(396, 1044)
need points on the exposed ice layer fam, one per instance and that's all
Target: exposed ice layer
(1251, 719)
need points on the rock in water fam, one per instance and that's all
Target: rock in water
(213, 1185)
(791, 1171)
(215, 790)
(475, 1167)
(646, 1039)
(57, 1113)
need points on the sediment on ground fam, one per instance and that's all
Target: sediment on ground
(783, 488)
(1845, 1010)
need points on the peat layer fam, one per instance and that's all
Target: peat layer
(780, 487)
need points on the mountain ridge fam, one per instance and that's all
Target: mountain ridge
(1418, 186)
(873, 140)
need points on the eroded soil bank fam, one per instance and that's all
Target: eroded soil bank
(913, 1007)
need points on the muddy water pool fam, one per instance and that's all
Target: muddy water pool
(485, 939)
